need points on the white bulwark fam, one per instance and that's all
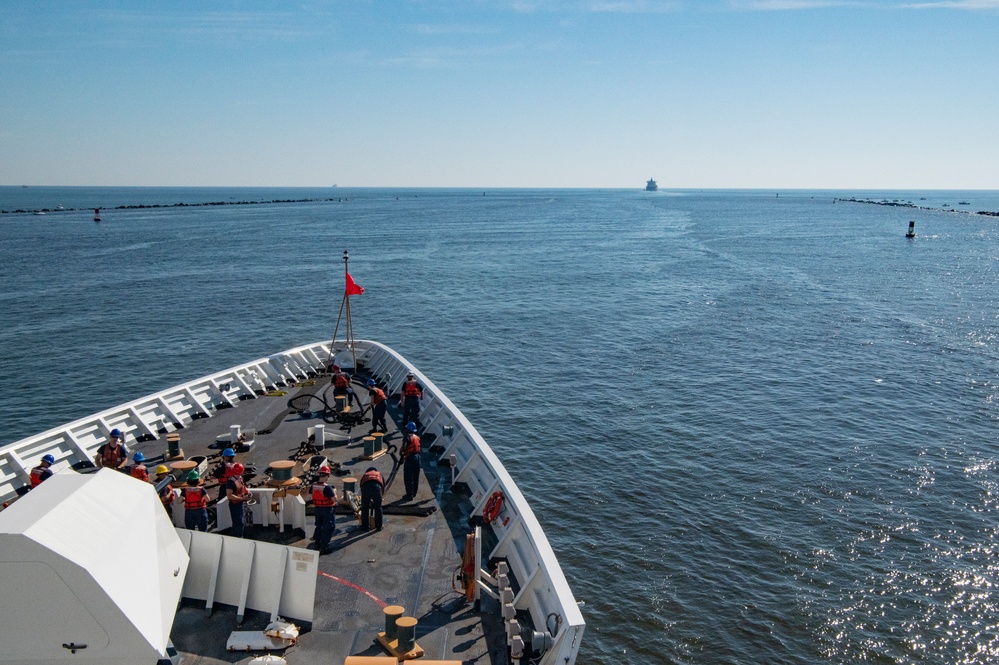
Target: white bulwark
(91, 571)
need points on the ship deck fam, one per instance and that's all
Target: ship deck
(411, 562)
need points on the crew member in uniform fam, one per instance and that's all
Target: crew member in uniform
(237, 494)
(42, 471)
(378, 406)
(166, 493)
(113, 454)
(324, 501)
(372, 488)
(411, 461)
(224, 469)
(341, 385)
(412, 393)
(138, 469)
(195, 503)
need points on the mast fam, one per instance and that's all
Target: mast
(348, 323)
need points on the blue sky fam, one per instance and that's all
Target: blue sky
(602, 93)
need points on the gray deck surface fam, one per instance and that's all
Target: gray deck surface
(410, 562)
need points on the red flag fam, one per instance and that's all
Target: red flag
(352, 288)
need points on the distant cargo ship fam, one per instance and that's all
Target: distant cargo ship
(651, 185)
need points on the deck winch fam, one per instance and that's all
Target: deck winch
(282, 474)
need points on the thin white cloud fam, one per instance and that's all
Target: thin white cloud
(598, 6)
(430, 29)
(634, 6)
(450, 58)
(783, 5)
(954, 4)
(246, 25)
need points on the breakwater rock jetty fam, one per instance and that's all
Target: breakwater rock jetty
(152, 206)
(898, 203)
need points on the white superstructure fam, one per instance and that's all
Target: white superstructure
(91, 570)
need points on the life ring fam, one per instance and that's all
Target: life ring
(493, 507)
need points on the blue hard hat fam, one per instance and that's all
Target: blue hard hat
(49, 459)
(371, 382)
(228, 452)
(138, 456)
(411, 427)
(116, 432)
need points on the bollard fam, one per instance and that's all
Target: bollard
(392, 614)
(319, 431)
(378, 441)
(407, 634)
(349, 485)
(369, 446)
(173, 445)
(234, 434)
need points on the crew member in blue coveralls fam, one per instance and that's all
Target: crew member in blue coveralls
(324, 501)
(412, 393)
(378, 404)
(411, 461)
(42, 471)
(195, 503)
(113, 454)
(238, 495)
(372, 488)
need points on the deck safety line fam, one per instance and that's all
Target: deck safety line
(381, 603)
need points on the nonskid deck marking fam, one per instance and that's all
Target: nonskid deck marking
(367, 593)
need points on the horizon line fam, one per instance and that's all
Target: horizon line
(512, 187)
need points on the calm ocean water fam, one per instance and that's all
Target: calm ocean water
(757, 429)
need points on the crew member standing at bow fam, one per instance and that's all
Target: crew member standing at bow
(412, 393)
(42, 471)
(166, 492)
(237, 494)
(195, 503)
(411, 461)
(113, 454)
(224, 470)
(138, 469)
(378, 404)
(324, 501)
(372, 488)
(341, 385)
